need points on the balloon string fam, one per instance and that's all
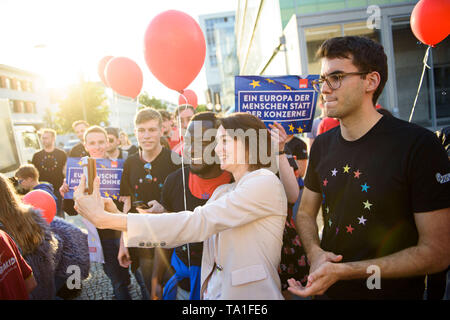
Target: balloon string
(182, 170)
(425, 65)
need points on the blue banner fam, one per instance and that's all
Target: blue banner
(109, 171)
(288, 100)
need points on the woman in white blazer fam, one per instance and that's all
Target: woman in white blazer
(241, 224)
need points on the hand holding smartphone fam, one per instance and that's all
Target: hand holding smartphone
(90, 172)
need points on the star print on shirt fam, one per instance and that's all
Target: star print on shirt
(367, 204)
(364, 187)
(333, 172)
(362, 220)
(357, 174)
(325, 182)
(346, 168)
(350, 229)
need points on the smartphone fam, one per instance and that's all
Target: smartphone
(90, 172)
(140, 204)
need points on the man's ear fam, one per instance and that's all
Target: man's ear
(373, 80)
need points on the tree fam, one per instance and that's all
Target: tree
(89, 96)
(201, 108)
(49, 120)
(152, 102)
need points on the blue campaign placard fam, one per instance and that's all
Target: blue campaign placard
(109, 172)
(288, 100)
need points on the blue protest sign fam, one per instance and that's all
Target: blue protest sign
(288, 100)
(109, 172)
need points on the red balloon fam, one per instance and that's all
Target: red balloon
(190, 96)
(124, 76)
(101, 68)
(42, 201)
(174, 49)
(430, 21)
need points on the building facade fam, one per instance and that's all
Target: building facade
(122, 111)
(27, 95)
(221, 63)
(295, 29)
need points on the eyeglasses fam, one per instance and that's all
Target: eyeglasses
(333, 80)
(148, 168)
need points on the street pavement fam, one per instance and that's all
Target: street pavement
(97, 285)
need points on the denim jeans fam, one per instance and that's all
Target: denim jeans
(140, 280)
(119, 276)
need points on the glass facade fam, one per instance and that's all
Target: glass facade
(221, 61)
(303, 7)
(433, 98)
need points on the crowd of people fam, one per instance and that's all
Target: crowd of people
(203, 213)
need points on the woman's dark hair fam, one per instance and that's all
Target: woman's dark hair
(242, 126)
(366, 54)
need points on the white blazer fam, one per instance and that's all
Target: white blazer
(248, 219)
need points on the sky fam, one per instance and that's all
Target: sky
(63, 40)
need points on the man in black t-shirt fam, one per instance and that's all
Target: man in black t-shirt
(200, 181)
(142, 181)
(383, 184)
(78, 151)
(50, 163)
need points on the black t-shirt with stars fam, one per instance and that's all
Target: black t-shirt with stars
(136, 182)
(371, 189)
(50, 166)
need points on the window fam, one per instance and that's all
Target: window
(18, 106)
(30, 140)
(9, 159)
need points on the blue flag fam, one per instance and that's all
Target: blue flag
(109, 172)
(288, 100)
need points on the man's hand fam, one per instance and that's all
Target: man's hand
(126, 203)
(319, 257)
(154, 207)
(124, 255)
(318, 282)
(64, 188)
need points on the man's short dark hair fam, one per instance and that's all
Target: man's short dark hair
(147, 114)
(113, 131)
(78, 122)
(366, 54)
(94, 129)
(182, 108)
(27, 171)
(206, 116)
(165, 115)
